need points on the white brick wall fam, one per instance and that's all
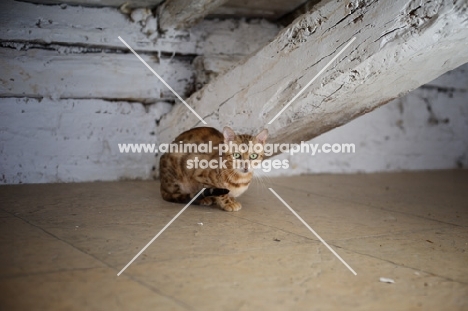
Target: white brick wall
(74, 140)
(426, 129)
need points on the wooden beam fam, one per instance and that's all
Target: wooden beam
(182, 14)
(208, 68)
(98, 28)
(399, 46)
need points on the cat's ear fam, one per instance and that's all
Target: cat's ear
(262, 137)
(228, 134)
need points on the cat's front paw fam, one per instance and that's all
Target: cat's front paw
(232, 206)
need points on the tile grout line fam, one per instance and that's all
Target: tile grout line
(338, 240)
(408, 267)
(333, 243)
(183, 304)
(313, 231)
(161, 231)
(346, 239)
(155, 290)
(371, 206)
(61, 240)
(18, 275)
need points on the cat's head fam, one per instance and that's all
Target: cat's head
(245, 151)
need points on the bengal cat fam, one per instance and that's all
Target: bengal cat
(181, 180)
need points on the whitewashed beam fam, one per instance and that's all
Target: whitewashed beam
(41, 73)
(182, 14)
(102, 3)
(208, 68)
(25, 24)
(399, 46)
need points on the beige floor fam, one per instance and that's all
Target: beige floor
(62, 246)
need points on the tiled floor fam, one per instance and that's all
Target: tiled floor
(62, 246)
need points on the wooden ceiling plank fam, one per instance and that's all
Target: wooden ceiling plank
(38, 73)
(73, 28)
(101, 3)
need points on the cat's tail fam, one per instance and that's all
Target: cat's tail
(208, 195)
(213, 192)
(177, 197)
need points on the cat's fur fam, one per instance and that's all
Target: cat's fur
(180, 184)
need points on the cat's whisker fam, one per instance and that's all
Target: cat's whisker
(259, 178)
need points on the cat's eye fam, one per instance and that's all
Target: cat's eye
(236, 155)
(253, 156)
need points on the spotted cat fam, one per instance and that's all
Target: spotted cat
(225, 175)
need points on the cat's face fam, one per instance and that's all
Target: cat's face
(245, 151)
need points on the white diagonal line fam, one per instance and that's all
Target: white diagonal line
(160, 232)
(312, 230)
(159, 77)
(313, 79)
